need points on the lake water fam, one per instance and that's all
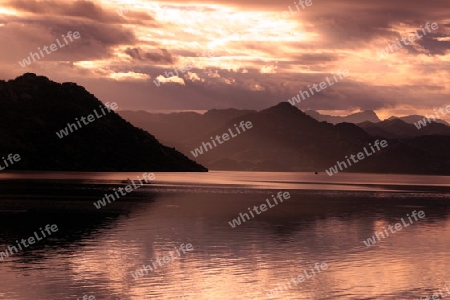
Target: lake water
(325, 220)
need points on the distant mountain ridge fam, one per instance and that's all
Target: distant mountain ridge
(392, 128)
(396, 128)
(283, 138)
(416, 118)
(33, 109)
(359, 117)
(174, 127)
(367, 116)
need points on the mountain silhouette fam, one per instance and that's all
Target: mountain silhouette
(175, 128)
(411, 119)
(359, 117)
(34, 109)
(283, 138)
(396, 128)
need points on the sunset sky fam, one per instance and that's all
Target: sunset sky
(256, 56)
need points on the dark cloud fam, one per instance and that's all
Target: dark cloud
(96, 41)
(161, 58)
(431, 43)
(313, 59)
(342, 30)
(80, 8)
(352, 23)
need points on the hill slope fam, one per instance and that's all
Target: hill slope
(33, 109)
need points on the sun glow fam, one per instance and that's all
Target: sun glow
(8, 11)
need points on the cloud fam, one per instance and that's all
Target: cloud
(194, 77)
(79, 8)
(259, 59)
(138, 54)
(433, 44)
(173, 79)
(129, 76)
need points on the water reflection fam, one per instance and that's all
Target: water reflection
(96, 250)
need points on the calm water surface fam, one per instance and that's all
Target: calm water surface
(96, 251)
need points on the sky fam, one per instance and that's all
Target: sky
(235, 53)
